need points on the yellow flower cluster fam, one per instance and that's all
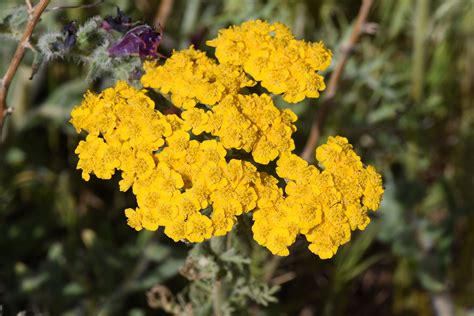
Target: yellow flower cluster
(324, 206)
(190, 77)
(175, 179)
(210, 95)
(271, 55)
(248, 122)
(191, 184)
(193, 192)
(123, 128)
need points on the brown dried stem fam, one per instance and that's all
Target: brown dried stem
(24, 43)
(321, 114)
(163, 13)
(30, 6)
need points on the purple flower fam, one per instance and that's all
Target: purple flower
(65, 43)
(121, 22)
(142, 40)
(70, 32)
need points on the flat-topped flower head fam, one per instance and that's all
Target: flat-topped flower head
(330, 203)
(248, 122)
(183, 168)
(124, 129)
(272, 56)
(190, 77)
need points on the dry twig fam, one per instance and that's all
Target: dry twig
(320, 115)
(24, 43)
(163, 13)
(30, 7)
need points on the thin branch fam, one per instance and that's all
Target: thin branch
(164, 11)
(284, 278)
(321, 114)
(29, 6)
(17, 57)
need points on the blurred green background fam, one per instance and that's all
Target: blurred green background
(405, 100)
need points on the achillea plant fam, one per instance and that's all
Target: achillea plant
(196, 172)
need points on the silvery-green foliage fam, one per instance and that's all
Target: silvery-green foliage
(90, 49)
(222, 281)
(12, 22)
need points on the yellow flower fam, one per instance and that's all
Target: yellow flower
(200, 192)
(339, 192)
(97, 157)
(211, 175)
(336, 152)
(179, 141)
(187, 204)
(235, 44)
(278, 241)
(150, 220)
(211, 151)
(139, 165)
(162, 210)
(253, 123)
(197, 119)
(334, 231)
(179, 176)
(134, 218)
(357, 216)
(162, 179)
(99, 113)
(176, 123)
(176, 230)
(293, 167)
(130, 129)
(247, 197)
(204, 80)
(275, 227)
(373, 188)
(198, 228)
(223, 216)
(271, 55)
(323, 206)
(264, 151)
(267, 190)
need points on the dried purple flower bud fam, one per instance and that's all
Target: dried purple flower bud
(142, 40)
(65, 43)
(121, 22)
(70, 31)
